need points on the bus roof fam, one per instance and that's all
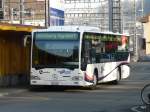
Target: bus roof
(76, 29)
(68, 28)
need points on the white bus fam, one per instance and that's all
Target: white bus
(78, 56)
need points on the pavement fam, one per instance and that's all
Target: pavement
(145, 58)
(6, 91)
(139, 108)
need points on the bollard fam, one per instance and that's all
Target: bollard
(148, 104)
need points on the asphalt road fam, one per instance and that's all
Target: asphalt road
(106, 98)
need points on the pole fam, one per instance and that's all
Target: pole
(9, 9)
(136, 56)
(12, 15)
(142, 8)
(1, 10)
(122, 17)
(21, 11)
(47, 13)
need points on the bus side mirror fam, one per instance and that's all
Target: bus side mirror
(27, 40)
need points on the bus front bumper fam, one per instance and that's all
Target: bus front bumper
(60, 83)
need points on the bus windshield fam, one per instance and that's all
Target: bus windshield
(56, 49)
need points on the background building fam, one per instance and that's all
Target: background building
(105, 14)
(109, 15)
(91, 13)
(32, 11)
(146, 22)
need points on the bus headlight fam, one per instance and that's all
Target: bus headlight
(77, 78)
(33, 77)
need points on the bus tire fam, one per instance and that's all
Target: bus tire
(33, 88)
(93, 86)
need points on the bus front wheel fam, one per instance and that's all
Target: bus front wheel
(95, 81)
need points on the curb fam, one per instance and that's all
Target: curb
(3, 94)
(12, 92)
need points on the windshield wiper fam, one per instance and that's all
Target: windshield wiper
(38, 67)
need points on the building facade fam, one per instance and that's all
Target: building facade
(29, 11)
(105, 14)
(146, 22)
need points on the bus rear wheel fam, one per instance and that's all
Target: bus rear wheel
(118, 78)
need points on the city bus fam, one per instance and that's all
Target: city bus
(78, 56)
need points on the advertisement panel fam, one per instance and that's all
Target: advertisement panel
(56, 12)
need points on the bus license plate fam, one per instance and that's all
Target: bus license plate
(55, 83)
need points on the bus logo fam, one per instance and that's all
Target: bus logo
(65, 72)
(54, 76)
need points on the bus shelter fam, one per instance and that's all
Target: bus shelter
(14, 56)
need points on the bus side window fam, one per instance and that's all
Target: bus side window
(87, 51)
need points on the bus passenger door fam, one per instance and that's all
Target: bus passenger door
(86, 58)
